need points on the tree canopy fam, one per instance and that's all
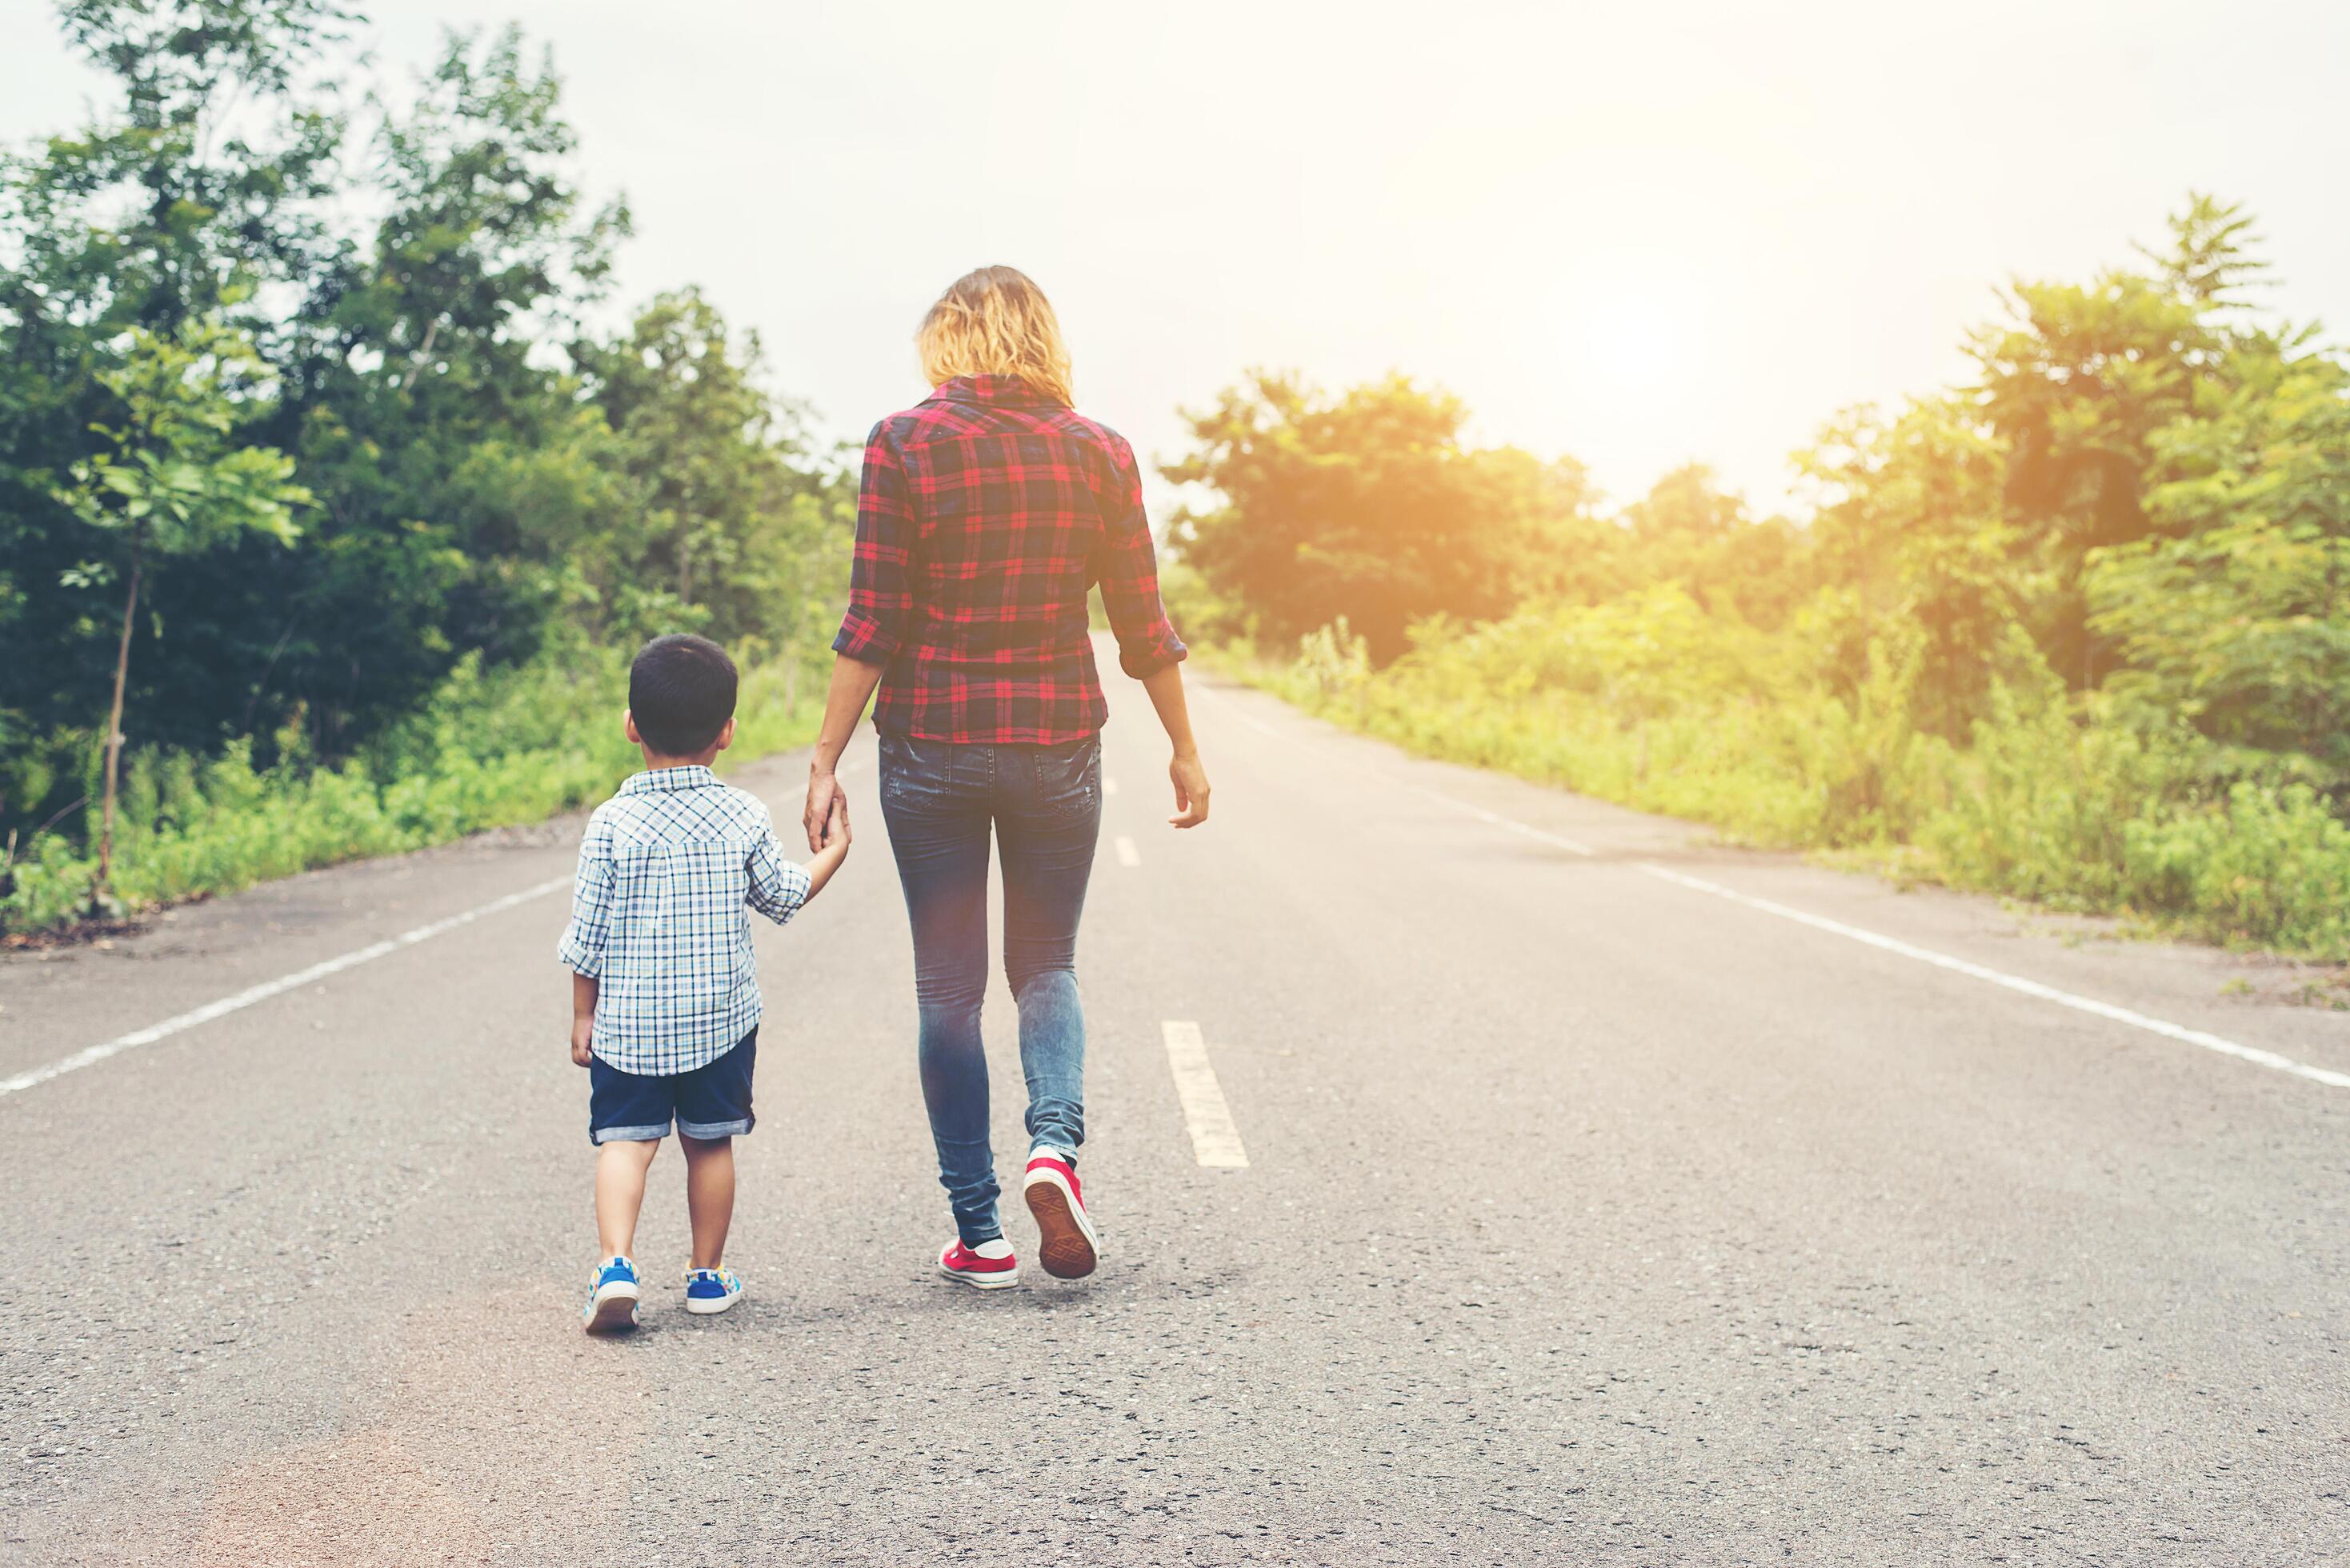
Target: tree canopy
(2143, 493)
(1368, 505)
(408, 287)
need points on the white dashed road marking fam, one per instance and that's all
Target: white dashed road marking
(1128, 855)
(1215, 1141)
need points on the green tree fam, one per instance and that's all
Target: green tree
(719, 541)
(1912, 539)
(423, 359)
(495, 480)
(172, 483)
(1368, 505)
(2236, 617)
(206, 184)
(218, 183)
(1691, 531)
(2077, 382)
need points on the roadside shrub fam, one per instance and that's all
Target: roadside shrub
(2076, 803)
(487, 750)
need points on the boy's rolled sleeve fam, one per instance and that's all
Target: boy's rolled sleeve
(1127, 565)
(582, 947)
(778, 886)
(880, 579)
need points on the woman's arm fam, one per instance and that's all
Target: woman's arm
(880, 597)
(853, 681)
(1127, 565)
(1165, 685)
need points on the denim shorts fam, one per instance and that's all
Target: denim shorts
(712, 1101)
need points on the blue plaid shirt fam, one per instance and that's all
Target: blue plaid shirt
(667, 870)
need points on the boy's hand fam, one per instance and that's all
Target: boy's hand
(582, 1030)
(836, 823)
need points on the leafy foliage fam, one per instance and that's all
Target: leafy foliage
(1367, 505)
(2079, 631)
(172, 474)
(381, 308)
(488, 750)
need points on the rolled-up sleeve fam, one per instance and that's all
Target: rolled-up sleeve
(881, 581)
(1127, 565)
(582, 947)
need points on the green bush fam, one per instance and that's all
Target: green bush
(488, 751)
(2071, 801)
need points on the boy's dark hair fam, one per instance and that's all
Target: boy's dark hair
(680, 693)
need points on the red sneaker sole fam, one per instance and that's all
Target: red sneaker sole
(1062, 1246)
(1004, 1281)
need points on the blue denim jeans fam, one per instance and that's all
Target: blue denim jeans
(1043, 803)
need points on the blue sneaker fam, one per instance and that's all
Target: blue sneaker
(709, 1291)
(612, 1298)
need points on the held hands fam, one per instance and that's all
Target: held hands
(828, 833)
(582, 1029)
(825, 804)
(1191, 781)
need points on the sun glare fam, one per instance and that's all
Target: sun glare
(1624, 324)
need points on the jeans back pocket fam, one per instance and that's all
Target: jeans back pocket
(1068, 778)
(915, 772)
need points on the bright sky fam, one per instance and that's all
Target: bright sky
(1635, 234)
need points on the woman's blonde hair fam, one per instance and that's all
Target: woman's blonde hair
(994, 322)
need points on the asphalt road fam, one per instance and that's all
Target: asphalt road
(1588, 1215)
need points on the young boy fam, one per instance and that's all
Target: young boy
(664, 1001)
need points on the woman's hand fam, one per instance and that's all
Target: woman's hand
(852, 686)
(823, 798)
(1191, 781)
(1165, 685)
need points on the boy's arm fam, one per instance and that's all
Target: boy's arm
(779, 887)
(583, 1017)
(582, 947)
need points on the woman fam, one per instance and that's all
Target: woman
(987, 511)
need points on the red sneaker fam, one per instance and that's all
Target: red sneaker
(990, 1266)
(1067, 1239)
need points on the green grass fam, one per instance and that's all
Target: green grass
(489, 751)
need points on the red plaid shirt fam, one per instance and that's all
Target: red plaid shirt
(987, 511)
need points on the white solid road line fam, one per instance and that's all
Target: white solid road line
(1215, 1141)
(1128, 855)
(2253, 1054)
(2257, 1055)
(1523, 830)
(2089, 1004)
(92, 1055)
